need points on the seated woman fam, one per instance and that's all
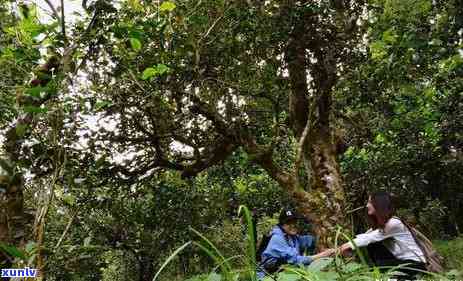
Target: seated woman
(286, 246)
(389, 242)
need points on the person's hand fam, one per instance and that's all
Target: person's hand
(345, 250)
(328, 252)
(324, 254)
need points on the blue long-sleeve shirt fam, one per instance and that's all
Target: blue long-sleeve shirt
(287, 249)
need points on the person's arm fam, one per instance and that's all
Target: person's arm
(278, 248)
(324, 254)
(391, 228)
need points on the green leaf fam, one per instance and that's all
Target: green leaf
(212, 251)
(390, 36)
(71, 200)
(87, 241)
(328, 275)
(135, 43)
(148, 73)
(30, 246)
(351, 267)
(100, 161)
(162, 68)
(170, 258)
(102, 104)
(320, 264)
(214, 277)
(380, 138)
(36, 91)
(7, 166)
(135, 4)
(167, 6)
(453, 272)
(251, 247)
(12, 251)
(285, 276)
(378, 50)
(21, 130)
(154, 71)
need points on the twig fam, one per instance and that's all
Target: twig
(63, 24)
(68, 226)
(212, 27)
(355, 210)
(135, 79)
(194, 9)
(55, 13)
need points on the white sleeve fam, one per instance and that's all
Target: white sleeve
(392, 227)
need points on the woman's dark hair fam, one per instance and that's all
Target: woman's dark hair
(384, 209)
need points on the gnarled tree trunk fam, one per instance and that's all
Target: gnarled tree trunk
(311, 58)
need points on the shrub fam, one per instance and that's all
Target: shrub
(452, 251)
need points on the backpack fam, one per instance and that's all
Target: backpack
(262, 246)
(434, 261)
(268, 267)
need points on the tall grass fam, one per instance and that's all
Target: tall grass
(170, 258)
(251, 245)
(226, 270)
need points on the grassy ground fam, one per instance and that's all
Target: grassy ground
(452, 251)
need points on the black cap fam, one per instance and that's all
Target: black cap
(287, 215)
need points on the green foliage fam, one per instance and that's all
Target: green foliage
(154, 71)
(398, 98)
(212, 251)
(167, 6)
(102, 104)
(452, 251)
(405, 90)
(250, 239)
(171, 257)
(135, 43)
(145, 222)
(118, 265)
(19, 53)
(12, 251)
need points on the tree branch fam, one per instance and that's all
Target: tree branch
(263, 156)
(204, 36)
(204, 109)
(63, 23)
(296, 60)
(68, 226)
(222, 149)
(53, 10)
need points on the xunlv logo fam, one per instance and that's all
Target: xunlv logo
(19, 272)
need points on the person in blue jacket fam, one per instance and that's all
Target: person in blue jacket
(286, 246)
